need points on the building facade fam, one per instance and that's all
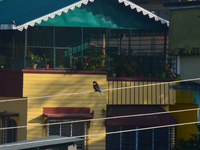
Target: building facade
(97, 38)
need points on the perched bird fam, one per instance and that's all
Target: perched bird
(13, 22)
(96, 87)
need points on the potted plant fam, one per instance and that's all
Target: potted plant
(34, 58)
(161, 66)
(131, 68)
(46, 65)
(95, 61)
(141, 68)
(123, 65)
(169, 68)
(74, 62)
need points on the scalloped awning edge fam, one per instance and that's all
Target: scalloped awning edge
(52, 15)
(144, 11)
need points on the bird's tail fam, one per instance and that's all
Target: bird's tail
(100, 93)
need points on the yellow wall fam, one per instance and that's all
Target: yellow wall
(20, 107)
(147, 95)
(185, 131)
(36, 85)
(186, 97)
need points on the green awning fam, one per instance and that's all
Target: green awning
(82, 13)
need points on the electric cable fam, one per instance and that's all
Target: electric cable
(116, 117)
(108, 133)
(30, 98)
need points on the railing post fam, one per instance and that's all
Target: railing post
(25, 47)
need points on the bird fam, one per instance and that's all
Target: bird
(96, 87)
(13, 22)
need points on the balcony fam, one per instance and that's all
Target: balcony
(127, 52)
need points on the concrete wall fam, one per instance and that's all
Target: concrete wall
(190, 67)
(184, 30)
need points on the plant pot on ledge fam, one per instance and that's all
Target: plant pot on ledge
(140, 74)
(34, 66)
(46, 66)
(134, 74)
(122, 74)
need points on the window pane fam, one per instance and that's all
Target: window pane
(78, 129)
(66, 129)
(144, 139)
(128, 139)
(54, 129)
(161, 139)
(11, 133)
(112, 140)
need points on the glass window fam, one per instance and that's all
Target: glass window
(8, 136)
(144, 136)
(68, 130)
(157, 139)
(161, 138)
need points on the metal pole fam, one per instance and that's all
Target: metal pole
(152, 139)
(13, 49)
(165, 45)
(25, 47)
(82, 44)
(136, 139)
(0, 48)
(54, 50)
(120, 139)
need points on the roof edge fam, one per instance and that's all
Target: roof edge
(85, 2)
(52, 15)
(144, 11)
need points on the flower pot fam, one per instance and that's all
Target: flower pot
(140, 74)
(122, 74)
(148, 75)
(74, 66)
(169, 75)
(156, 75)
(113, 74)
(162, 75)
(46, 66)
(134, 74)
(34, 66)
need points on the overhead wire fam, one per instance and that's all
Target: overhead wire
(107, 133)
(107, 118)
(135, 86)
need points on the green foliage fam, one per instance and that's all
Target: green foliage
(46, 59)
(159, 63)
(185, 51)
(131, 67)
(34, 58)
(74, 60)
(141, 67)
(193, 143)
(95, 60)
(170, 64)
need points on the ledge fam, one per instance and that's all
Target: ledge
(143, 79)
(64, 72)
(52, 71)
